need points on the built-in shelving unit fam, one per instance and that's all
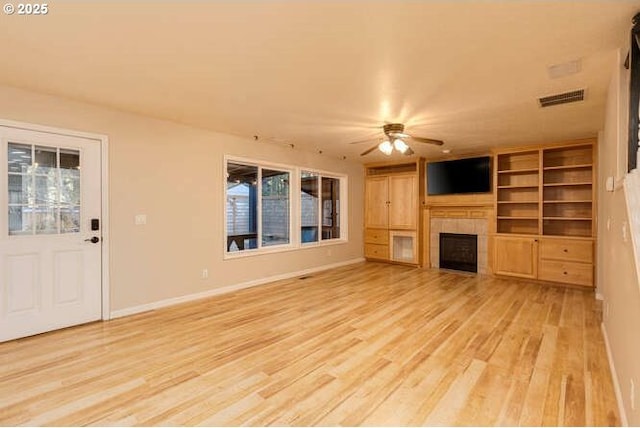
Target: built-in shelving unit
(545, 206)
(568, 191)
(539, 190)
(517, 196)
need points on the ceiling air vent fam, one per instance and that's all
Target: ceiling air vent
(567, 97)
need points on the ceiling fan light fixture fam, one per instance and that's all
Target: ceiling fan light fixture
(386, 147)
(400, 145)
(399, 135)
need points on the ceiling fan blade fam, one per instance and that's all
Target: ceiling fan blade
(370, 137)
(428, 140)
(364, 141)
(366, 152)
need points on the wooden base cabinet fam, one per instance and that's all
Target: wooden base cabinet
(515, 256)
(564, 260)
(376, 244)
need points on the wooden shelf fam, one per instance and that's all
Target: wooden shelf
(518, 171)
(517, 202)
(517, 218)
(560, 167)
(567, 218)
(583, 201)
(518, 187)
(584, 183)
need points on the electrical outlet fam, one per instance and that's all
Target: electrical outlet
(205, 273)
(632, 394)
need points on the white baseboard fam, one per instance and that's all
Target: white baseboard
(222, 290)
(614, 376)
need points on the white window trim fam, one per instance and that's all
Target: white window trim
(260, 165)
(295, 219)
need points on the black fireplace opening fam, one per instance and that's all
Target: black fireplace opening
(459, 251)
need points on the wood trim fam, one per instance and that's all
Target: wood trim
(544, 146)
(472, 212)
(474, 199)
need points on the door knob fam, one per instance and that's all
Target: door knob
(93, 240)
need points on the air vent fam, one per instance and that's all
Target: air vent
(567, 97)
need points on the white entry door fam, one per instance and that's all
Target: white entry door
(50, 238)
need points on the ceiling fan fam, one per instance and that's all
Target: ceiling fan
(396, 140)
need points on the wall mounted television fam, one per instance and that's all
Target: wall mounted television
(471, 175)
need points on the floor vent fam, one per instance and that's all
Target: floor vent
(567, 97)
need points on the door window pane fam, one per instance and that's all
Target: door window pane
(18, 193)
(44, 190)
(69, 219)
(242, 207)
(46, 220)
(275, 207)
(45, 158)
(20, 221)
(19, 158)
(309, 206)
(70, 159)
(330, 208)
(69, 187)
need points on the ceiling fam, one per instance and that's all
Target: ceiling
(321, 74)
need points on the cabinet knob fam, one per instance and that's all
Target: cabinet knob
(565, 250)
(564, 273)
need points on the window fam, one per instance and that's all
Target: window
(44, 190)
(275, 207)
(257, 207)
(330, 208)
(309, 206)
(260, 201)
(319, 194)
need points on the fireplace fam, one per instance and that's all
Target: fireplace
(459, 251)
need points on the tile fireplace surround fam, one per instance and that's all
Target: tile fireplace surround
(472, 226)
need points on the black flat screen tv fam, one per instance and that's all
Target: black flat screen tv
(471, 175)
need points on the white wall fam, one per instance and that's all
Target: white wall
(174, 175)
(617, 279)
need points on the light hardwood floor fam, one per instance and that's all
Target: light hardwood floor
(366, 344)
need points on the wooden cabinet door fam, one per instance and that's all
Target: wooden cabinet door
(403, 197)
(376, 206)
(515, 256)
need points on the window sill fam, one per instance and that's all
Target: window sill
(281, 249)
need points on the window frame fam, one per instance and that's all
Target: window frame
(33, 175)
(295, 212)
